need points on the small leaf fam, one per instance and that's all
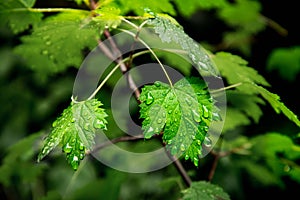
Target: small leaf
(171, 32)
(204, 191)
(182, 112)
(277, 105)
(75, 130)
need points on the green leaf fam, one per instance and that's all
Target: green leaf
(183, 112)
(170, 32)
(248, 104)
(235, 118)
(248, 13)
(58, 41)
(285, 61)
(75, 130)
(205, 191)
(138, 7)
(108, 16)
(16, 14)
(235, 70)
(277, 105)
(19, 162)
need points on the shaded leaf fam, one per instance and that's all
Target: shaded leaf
(205, 191)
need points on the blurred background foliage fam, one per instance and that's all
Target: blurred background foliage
(263, 155)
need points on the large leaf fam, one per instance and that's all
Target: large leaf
(75, 130)
(16, 14)
(204, 191)
(58, 42)
(183, 113)
(168, 31)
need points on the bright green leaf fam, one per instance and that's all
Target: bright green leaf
(205, 191)
(16, 15)
(182, 112)
(170, 32)
(75, 130)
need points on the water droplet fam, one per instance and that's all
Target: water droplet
(86, 126)
(159, 121)
(182, 147)
(196, 115)
(287, 168)
(48, 43)
(148, 133)
(72, 120)
(157, 84)
(75, 162)
(98, 124)
(207, 142)
(149, 98)
(205, 111)
(196, 161)
(174, 150)
(67, 148)
(170, 111)
(81, 156)
(186, 157)
(54, 124)
(199, 142)
(45, 52)
(188, 101)
(81, 147)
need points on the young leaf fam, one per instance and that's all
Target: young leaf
(205, 191)
(277, 105)
(170, 32)
(16, 15)
(75, 130)
(57, 43)
(183, 112)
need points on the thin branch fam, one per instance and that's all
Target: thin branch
(226, 88)
(114, 141)
(277, 27)
(180, 168)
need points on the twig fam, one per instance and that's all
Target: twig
(114, 141)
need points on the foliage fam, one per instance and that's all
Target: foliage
(53, 42)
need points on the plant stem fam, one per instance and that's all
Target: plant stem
(226, 88)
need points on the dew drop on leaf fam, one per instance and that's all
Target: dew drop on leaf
(81, 147)
(81, 156)
(205, 111)
(54, 124)
(159, 121)
(149, 98)
(196, 161)
(186, 157)
(75, 162)
(148, 134)
(48, 43)
(207, 142)
(86, 126)
(157, 84)
(98, 124)
(45, 52)
(174, 150)
(182, 147)
(196, 115)
(67, 148)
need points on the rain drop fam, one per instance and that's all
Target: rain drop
(45, 52)
(67, 148)
(159, 121)
(186, 157)
(182, 147)
(196, 115)
(81, 147)
(148, 134)
(205, 111)
(149, 98)
(48, 43)
(196, 161)
(207, 142)
(157, 84)
(86, 126)
(98, 124)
